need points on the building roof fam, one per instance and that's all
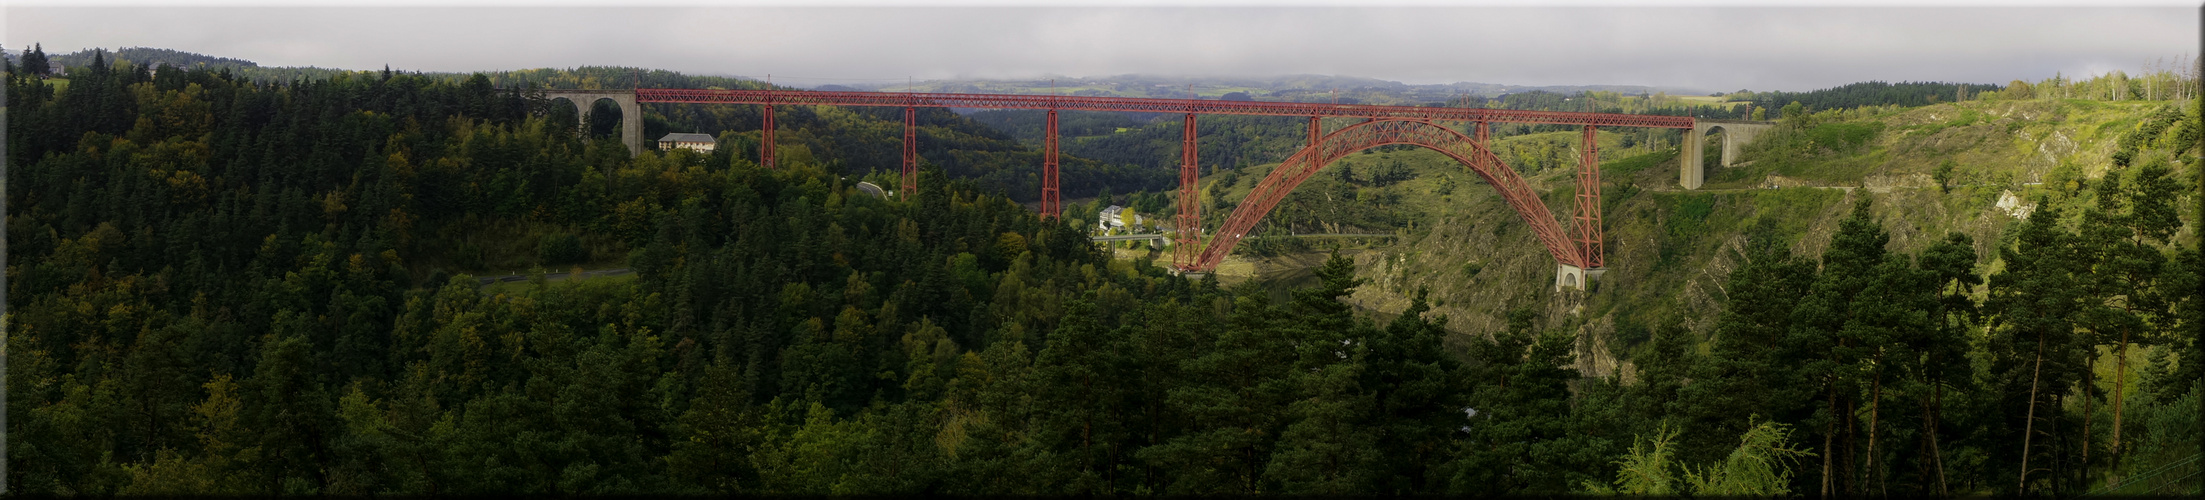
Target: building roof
(687, 137)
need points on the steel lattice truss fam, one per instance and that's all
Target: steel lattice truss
(1588, 234)
(1366, 135)
(1146, 105)
(1383, 125)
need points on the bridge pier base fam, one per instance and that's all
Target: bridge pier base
(1691, 155)
(1568, 276)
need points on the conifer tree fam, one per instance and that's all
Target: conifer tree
(2032, 306)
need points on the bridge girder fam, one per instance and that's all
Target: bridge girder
(1151, 105)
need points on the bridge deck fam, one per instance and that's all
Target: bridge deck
(1140, 237)
(1149, 105)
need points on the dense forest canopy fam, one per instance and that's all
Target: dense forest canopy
(1856, 95)
(152, 56)
(217, 285)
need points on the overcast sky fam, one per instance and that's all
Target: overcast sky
(1702, 47)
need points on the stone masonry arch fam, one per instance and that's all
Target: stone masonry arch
(1692, 174)
(631, 114)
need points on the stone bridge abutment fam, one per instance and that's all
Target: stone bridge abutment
(631, 114)
(1691, 164)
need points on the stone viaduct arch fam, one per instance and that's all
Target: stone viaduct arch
(631, 114)
(1735, 133)
(1370, 134)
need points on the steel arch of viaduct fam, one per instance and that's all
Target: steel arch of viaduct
(1298, 168)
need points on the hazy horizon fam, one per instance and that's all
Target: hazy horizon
(1707, 48)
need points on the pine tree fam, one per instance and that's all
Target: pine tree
(291, 405)
(1518, 438)
(1950, 266)
(1831, 342)
(1235, 400)
(1327, 446)
(1080, 424)
(2032, 306)
(35, 63)
(2127, 303)
(1418, 393)
(1748, 369)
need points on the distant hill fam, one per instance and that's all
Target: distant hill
(153, 57)
(1298, 88)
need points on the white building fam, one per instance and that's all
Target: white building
(699, 142)
(1116, 217)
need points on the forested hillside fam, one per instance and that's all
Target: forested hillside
(224, 286)
(857, 141)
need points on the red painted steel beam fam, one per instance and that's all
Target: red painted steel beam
(910, 151)
(1051, 206)
(1588, 231)
(765, 148)
(1146, 105)
(1190, 202)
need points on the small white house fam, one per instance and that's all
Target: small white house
(1116, 217)
(699, 142)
